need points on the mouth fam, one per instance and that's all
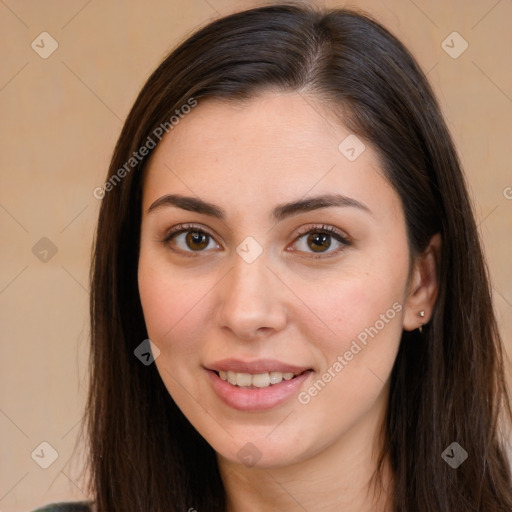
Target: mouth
(258, 385)
(257, 380)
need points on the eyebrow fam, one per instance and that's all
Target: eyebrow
(315, 203)
(279, 213)
(191, 204)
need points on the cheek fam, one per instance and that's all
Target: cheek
(175, 308)
(362, 329)
(359, 306)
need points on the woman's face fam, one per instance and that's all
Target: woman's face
(273, 276)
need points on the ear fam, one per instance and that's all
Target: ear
(423, 286)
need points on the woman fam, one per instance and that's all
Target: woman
(285, 218)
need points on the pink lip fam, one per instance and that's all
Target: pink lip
(258, 366)
(257, 399)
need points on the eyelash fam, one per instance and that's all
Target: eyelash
(321, 229)
(185, 228)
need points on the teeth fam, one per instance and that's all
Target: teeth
(243, 379)
(275, 377)
(259, 380)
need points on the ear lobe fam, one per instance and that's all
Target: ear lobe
(423, 286)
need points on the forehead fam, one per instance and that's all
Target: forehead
(275, 147)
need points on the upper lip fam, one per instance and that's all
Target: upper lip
(256, 366)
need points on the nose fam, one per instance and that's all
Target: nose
(251, 300)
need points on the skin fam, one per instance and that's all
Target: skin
(205, 305)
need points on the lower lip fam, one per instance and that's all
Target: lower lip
(256, 399)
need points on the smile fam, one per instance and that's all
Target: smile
(258, 380)
(256, 385)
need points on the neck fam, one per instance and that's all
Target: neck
(338, 477)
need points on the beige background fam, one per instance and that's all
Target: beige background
(60, 118)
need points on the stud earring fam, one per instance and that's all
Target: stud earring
(421, 314)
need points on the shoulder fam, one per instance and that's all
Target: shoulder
(76, 506)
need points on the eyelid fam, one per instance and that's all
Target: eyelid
(182, 228)
(339, 235)
(313, 228)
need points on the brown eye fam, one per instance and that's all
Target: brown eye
(322, 240)
(319, 242)
(190, 239)
(196, 241)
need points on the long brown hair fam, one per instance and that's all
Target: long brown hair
(447, 384)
